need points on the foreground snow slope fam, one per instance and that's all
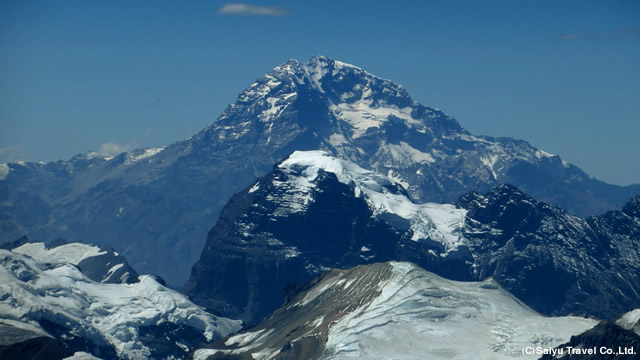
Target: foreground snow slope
(398, 310)
(57, 299)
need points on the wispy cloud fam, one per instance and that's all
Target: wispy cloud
(608, 36)
(114, 149)
(253, 10)
(567, 37)
(12, 153)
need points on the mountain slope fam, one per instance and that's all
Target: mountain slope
(46, 302)
(157, 204)
(390, 310)
(314, 212)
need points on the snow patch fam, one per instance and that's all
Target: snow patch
(137, 155)
(96, 155)
(397, 178)
(274, 110)
(315, 71)
(113, 270)
(337, 139)
(404, 152)
(318, 290)
(490, 162)
(363, 114)
(254, 188)
(203, 354)
(540, 154)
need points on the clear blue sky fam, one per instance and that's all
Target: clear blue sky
(563, 75)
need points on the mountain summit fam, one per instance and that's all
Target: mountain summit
(156, 205)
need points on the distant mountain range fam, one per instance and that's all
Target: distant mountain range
(315, 212)
(156, 205)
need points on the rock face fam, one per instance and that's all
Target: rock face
(556, 262)
(49, 308)
(386, 310)
(314, 212)
(608, 340)
(157, 204)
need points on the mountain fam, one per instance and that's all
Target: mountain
(556, 262)
(391, 310)
(315, 212)
(157, 204)
(53, 305)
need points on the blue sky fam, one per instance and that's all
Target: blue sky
(80, 75)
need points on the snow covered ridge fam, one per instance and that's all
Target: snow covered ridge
(130, 157)
(398, 310)
(72, 253)
(439, 222)
(141, 154)
(98, 264)
(55, 298)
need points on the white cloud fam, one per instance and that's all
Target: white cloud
(114, 149)
(255, 10)
(12, 153)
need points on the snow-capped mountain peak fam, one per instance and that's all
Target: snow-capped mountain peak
(356, 98)
(387, 199)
